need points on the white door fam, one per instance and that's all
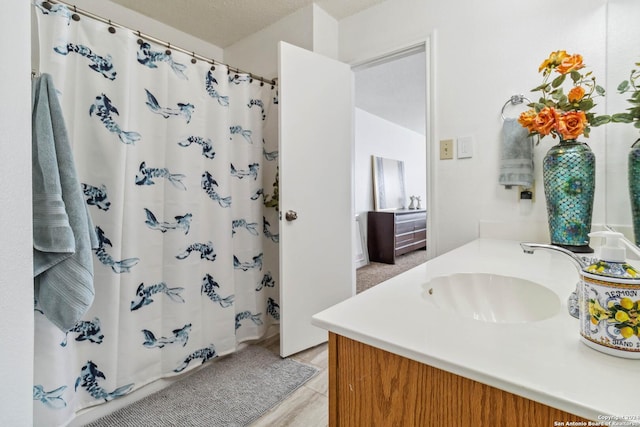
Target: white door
(316, 132)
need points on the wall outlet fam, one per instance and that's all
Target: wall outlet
(446, 149)
(527, 193)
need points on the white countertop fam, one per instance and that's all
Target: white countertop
(544, 360)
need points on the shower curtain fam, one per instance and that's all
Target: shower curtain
(177, 161)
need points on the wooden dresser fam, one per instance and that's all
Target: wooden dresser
(393, 233)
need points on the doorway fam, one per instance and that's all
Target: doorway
(391, 120)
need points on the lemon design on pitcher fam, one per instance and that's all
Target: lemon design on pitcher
(597, 267)
(621, 316)
(597, 312)
(626, 303)
(613, 269)
(624, 315)
(626, 332)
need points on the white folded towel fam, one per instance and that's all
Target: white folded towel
(516, 155)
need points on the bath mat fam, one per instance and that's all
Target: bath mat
(233, 391)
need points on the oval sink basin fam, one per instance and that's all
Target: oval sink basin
(492, 297)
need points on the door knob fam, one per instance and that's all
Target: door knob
(291, 215)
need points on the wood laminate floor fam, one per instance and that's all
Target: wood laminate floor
(308, 406)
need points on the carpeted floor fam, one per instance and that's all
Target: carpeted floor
(375, 272)
(233, 390)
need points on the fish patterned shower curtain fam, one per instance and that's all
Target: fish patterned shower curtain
(177, 161)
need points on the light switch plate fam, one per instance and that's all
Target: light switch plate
(465, 147)
(446, 149)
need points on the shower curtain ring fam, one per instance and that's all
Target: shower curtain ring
(75, 15)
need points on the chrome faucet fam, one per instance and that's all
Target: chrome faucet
(580, 263)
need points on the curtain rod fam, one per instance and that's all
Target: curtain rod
(148, 37)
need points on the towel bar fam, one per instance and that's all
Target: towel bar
(514, 100)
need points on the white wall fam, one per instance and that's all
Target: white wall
(375, 136)
(476, 71)
(16, 282)
(310, 28)
(258, 53)
(484, 53)
(623, 53)
(325, 33)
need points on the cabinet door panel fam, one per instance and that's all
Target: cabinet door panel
(371, 387)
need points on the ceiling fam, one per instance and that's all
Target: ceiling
(393, 90)
(224, 22)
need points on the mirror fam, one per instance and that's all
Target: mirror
(388, 184)
(623, 51)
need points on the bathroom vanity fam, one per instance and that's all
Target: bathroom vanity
(397, 356)
(373, 387)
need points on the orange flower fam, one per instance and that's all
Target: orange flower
(570, 63)
(545, 121)
(576, 94)
(571, 124)
(527, 120)
(553, 60)
(556, 114)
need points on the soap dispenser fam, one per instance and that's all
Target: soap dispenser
(609, 295)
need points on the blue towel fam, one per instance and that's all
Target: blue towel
(516, 155)
(63, 234)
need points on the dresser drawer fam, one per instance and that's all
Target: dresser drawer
(410, 239)
(403, 238)
(412, 216)
(412, 246)
(420, 235)
(392, 233)
(414, 224)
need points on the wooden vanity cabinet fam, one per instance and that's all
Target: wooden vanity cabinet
(393, 233)
(372, 387)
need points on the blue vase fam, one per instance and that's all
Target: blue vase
(634, 188)
(569, 185)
